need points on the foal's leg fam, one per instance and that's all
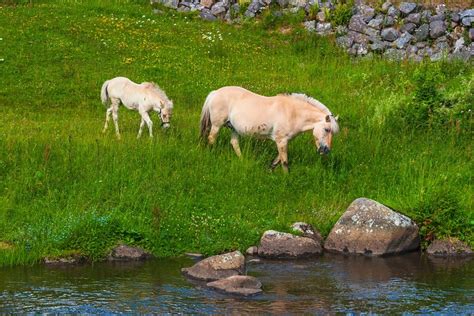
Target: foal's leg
(149, 123)
(142, 123)
(114, 107)
(107, 119)
(234, 140)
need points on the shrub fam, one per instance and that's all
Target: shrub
(342, 12)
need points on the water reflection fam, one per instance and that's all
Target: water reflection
(331, 283)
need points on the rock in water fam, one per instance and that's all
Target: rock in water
(449, 248)
(217, 267)
(368, 227)
(275, 244)
(238, 284)
(127, 253)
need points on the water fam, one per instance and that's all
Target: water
(410, 283)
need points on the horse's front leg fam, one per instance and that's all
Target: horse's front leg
(149, 123)
(142, 123)
(282, 146)
(234, 140)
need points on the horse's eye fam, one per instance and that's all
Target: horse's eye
(327, 130)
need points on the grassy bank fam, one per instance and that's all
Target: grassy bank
(406, 135)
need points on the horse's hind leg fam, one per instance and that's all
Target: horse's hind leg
(114, 107)
(275, 162)
(234, 140)
(107, 119)
(213, 134)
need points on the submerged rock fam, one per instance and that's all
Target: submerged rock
(127, 253)
(65, 260)
(449, 248)
(238, 284)
(275, 244)
(368, 227)
(217, 267)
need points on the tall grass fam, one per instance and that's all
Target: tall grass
(66, 187)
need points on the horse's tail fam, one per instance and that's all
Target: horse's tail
(206, 116)
(104, 94)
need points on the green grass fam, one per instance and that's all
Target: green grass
(65, 187)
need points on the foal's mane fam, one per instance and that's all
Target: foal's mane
(318, 105)
(160, 92)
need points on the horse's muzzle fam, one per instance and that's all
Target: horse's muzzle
(165, 125)
(324, 150)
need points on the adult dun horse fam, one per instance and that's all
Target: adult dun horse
(279, 118)
(142, 97)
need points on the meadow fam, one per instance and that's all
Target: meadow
(405, 140)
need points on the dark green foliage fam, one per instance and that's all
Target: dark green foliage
(342, 12)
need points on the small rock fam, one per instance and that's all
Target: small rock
(425, 16)
(466, 13)
(388, 21)
(252, 251)
(365, 12)
(344, 41)
(321, 16)
(275, 244)
(394, 12)
(408, 28)
(194, 255)
(238, 284)
(67, 260)
(323, 28)
(368, 227)
(422, 32)
(310, 26)
(407, 7)
(441, 9)
(207, 3)
(403, 40)
(449, 248)
(378, 46)
(357, 37)
(127, 253)
(413, 18)
(217, 267)
(390, 34)
(471, 34)
(437, 29)
(206, 14)
(376, 23)
(455, 17)
(307, 230)
(219, 9)
(385, 6)
(438, 17)
(468, 21)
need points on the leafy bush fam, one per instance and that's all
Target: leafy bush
(342, 12)
(440, 215)
(432, 104)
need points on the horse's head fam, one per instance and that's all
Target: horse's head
(165, 109)
(323, 132)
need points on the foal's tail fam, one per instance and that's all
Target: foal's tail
(104, 94)
(206, 116)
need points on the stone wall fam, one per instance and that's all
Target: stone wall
(406, 31)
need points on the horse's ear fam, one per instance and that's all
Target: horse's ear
(328, 118)
(337, 117)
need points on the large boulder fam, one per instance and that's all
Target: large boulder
(217, 267)
(449, 248)
(275, 244)
(368, 227)
(128, 253)
(238, 284)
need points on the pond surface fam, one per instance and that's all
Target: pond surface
(409, 283)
